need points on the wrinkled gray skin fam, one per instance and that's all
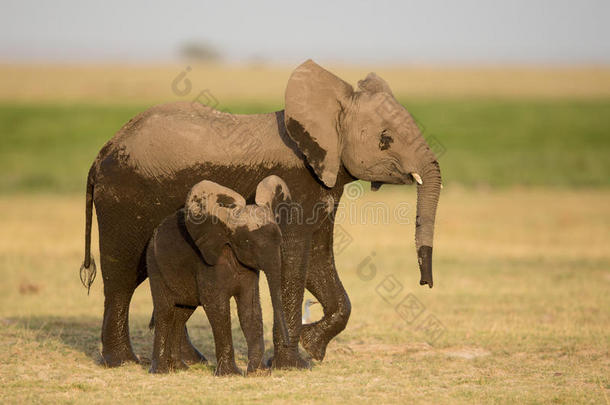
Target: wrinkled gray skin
(327, 136)
(197, 256)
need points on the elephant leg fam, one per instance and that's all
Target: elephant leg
(164, 323)
(178, 336)
(168, 329)
(295, 252)
(123, 269)
(218, 310)
(190, 354)
(251, 321)
(116, 345)
(323, 282)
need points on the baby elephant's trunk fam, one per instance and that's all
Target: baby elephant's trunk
(273, 272)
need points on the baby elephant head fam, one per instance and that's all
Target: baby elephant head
(217, 216)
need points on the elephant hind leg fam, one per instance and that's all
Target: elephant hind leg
(178, 336)
(123, 271)
(188, 352)
(162, 346)
(116, 345)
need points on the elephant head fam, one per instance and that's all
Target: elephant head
(370, 134)
(217, 216)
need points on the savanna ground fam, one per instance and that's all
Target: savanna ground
(519, 311)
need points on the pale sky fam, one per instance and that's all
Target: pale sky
(350, 31)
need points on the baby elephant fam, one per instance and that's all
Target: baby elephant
(208, 252)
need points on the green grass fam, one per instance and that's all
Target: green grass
(485, 142)
(530, 143)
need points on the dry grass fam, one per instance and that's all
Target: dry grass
(521, 289)
(266, 84)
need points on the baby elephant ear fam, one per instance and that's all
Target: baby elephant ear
(271, 192)
(209, 210)
(374, 84)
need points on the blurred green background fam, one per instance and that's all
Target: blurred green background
(495, 143)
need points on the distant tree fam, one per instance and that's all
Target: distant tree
(199, 51)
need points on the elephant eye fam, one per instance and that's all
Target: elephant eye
(385, 140)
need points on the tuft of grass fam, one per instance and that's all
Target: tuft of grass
(480, 142)
(521, 282)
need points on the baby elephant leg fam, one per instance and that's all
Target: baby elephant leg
(251, 321)
(178, 336)
(163, 323)
(169, 323)
(163, 318)
(190, 354)
(218, 310)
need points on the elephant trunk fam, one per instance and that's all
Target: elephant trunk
(273, 272)
(427, 199)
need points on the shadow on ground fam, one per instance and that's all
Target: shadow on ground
(83, 335)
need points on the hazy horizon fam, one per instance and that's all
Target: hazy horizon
(470, 32)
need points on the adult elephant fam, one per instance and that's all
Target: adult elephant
(327, 136)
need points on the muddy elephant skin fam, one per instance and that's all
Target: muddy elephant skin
(206, 253)
(328, 135)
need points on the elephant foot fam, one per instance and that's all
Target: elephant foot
(312, 342)
(116, 358)
(190, 355)
(227, 367)
(164, 367)
(259, 372)
(179, 365)
(256, 366)
(288, 359)
(155, 368)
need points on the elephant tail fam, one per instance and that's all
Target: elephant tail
(151, 324)
(88, 270)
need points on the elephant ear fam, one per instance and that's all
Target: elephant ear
(271, 192)
(314, 98)
(210, 210)
(374, 84)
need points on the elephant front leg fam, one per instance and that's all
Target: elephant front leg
(218, 311)
(295, 251)
(323, 282)
(251, 322)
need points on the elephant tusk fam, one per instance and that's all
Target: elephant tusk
(417, 178)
